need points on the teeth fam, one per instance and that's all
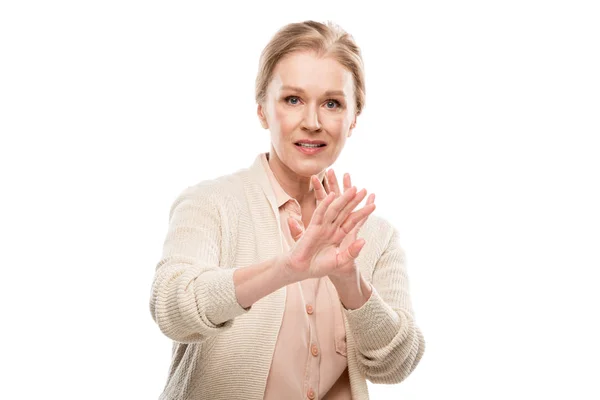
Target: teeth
(309, 145)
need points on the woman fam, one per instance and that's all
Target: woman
(271, 284)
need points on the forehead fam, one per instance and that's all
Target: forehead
(311, 73)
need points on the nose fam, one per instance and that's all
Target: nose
(311, 119)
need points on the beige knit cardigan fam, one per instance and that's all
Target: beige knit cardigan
(222, 351)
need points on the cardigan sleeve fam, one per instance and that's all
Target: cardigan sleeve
(192, 297)
(388, 342)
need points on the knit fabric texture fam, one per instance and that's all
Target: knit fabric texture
(223, 351)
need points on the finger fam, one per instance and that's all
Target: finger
(353, 219)
(319, 214)
(354, 232)
(320, 192)
(296, 230)
(360, 224)
(371, 198)
(338, 205)
(351, 252)
(333, 183)
(350, 206)
(326, 180)
(347, 182)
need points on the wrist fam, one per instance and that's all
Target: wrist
(353, 292)
(285, 272)
(345, 279)
(253, 282)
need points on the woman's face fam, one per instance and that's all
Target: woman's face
(308, 98)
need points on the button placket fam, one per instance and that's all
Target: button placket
(312, 372)
(314, 350)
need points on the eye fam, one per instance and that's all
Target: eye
(332, 103)
(293, 100)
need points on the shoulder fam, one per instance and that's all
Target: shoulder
(380, 234)
(379, 228)
(224, 191)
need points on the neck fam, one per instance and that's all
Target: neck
(295, 185)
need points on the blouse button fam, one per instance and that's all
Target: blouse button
(310, 394)
(309, 309)
(314, 350)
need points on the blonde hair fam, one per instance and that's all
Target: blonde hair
(324, 39)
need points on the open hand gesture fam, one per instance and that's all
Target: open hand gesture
(329, 245)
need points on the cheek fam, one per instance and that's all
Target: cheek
(286, 120)
(336, 124)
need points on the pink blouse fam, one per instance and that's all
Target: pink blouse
(309, 361)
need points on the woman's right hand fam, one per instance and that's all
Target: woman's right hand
(317, 253)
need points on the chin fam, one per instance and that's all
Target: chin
(308, 167)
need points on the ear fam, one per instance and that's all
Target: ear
(262, 117)
(352, 126)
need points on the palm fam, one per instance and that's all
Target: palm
(329, 245)
(332, 185)
(326, 257)
(350, 238)
(347, 238)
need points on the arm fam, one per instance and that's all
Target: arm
(389, 344)
(192, 297)
(256, 281)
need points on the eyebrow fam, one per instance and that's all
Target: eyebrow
(327, 93)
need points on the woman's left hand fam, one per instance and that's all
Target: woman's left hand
(349, 270)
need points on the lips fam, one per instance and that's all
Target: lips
(311, 142)
(310, 150)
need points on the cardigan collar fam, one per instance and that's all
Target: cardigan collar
(262, 173)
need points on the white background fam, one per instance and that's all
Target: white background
(479, 138)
